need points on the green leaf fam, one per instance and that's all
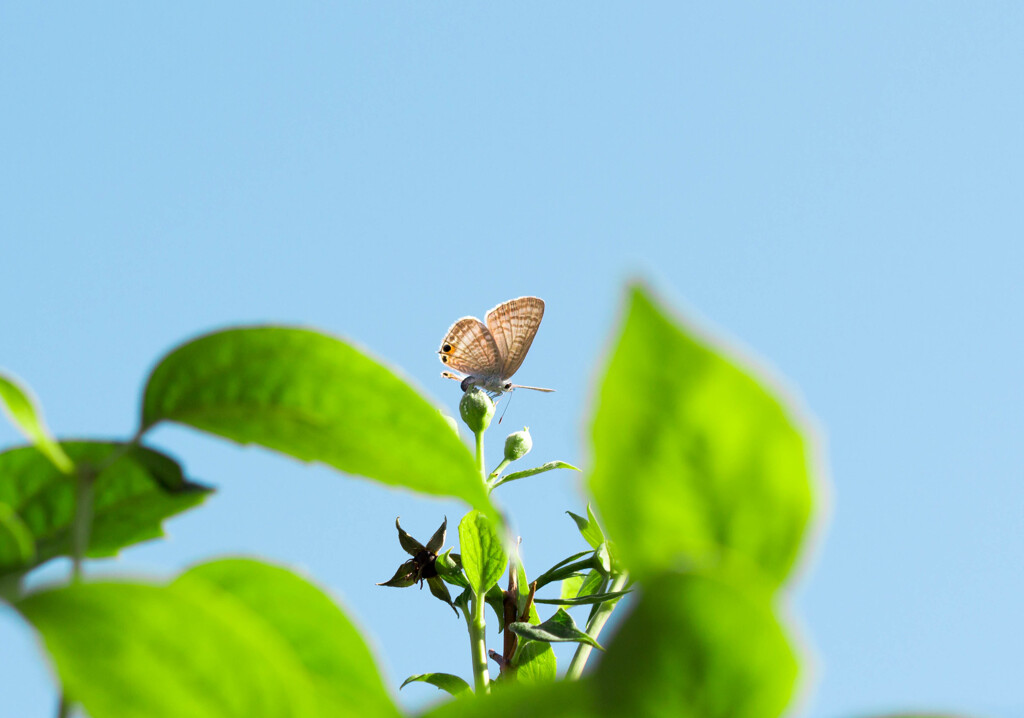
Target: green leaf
(26, 417)
(445, 681)
(695, 459)
(698, 645)
(583, 600)
(570, 587)
(449, 568)
(320, 635)
(557, 629)
(483, 557)
(530, 472)
(564, 568)
(17, 547)
(126, 650)
(589, 528)
(316, 398)
(535, 662)
(135, 491)
(565, 699)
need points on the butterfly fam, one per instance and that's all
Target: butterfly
(489, 354)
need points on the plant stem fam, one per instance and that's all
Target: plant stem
(81, 528)
(594, 626)
(497, 472)
(478, 645)
(480, 455)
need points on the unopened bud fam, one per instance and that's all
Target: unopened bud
(518, 445)
(477, 409)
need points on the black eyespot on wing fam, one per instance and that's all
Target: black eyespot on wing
(446, 348)
(444, 359)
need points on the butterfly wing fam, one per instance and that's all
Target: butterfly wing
(513, 325)
(469, 347)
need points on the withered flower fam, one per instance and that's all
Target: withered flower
(422, 566)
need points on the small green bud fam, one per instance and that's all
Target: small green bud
(518, 445)
(477, 409)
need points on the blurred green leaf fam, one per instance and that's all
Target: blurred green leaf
(515, 475)
(483, 557)
(17, 547)
(320, 635)
(316, 398)
(697, 646)
(445, 681)
(233, 638)
(695, 459)
(559, 628)
(26, 417)
(589, 528)
(135, 491)
(127, 650)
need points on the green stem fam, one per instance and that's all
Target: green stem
(594, 626)
(480, 454)
(497, 472)
(81, 528)
(478, 644)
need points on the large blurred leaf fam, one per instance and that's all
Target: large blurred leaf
(132, 497)
(316, 398)
(694, 458)
(234, 638)
(321, 636)
(697, 647)
(26, 417)
(17, 547)
(127, 650)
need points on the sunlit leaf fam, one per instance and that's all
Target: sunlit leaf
(589, 528)
(564, 699)
(22, 411)
(535, 661)
(136, 489)
(516, 475)
(316, 398)
(697, 646)
(483, 557)
(125, 650)
(445, 681)
(557, 629)
(695, 459)
(321, 636)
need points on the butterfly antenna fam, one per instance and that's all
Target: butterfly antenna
(506, 407)
(535, 388)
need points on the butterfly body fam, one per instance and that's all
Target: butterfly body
(489, 354)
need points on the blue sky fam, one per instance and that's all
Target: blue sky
(835, 187)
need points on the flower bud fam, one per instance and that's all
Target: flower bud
(477, 409)
(518, 445)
